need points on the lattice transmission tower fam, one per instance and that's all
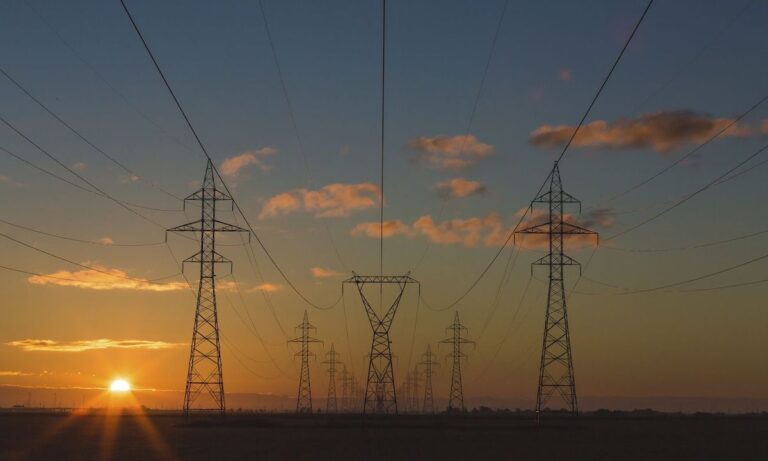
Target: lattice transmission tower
(304, 395)
(204, 390)
(331, 404)
(457, 339)
(556, 366)
(414, 388)
(380, 394)
(428, 362)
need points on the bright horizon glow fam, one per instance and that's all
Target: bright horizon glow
(120, 385)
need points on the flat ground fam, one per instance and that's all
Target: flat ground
(169, 437)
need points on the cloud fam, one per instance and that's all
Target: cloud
(15, 373)
(333, 200)
(11, 182)
(231, 166)
(49, 345)
(450, 152)
(374, 230)
(321, 273)
(267, 287)
(764, 126)
(468, 232)
(565, 75)
(459, 188)
(661, 131)
(79, 166)
(113, 279)
(106, 241)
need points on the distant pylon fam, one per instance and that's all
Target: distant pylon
(414, 403)
(405, 393)
(380, 394)
(428, 362)
(456, 340)
(304, 396)
(204, 390)
(556, 366)
(344, 407)
(331, 405)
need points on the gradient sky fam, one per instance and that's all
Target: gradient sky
(692, 67)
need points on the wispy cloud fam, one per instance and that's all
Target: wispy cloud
(10, 181)
(450, 152)
(232, 166)
(267, 287)
(374, 229)
(565, 75)
(661, 131)
(469, 232)
(321, 273)
(333, 200)
(49, 345)
(6, 373)
(764, 126)
(107, 279)
(459, 188)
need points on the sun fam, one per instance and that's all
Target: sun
(120, 385)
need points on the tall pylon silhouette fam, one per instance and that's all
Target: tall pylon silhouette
(331, 404)
(457, 339)
(428, 362)
(380, 394)
(344, 407)
(304, 396)
(556, 366)
(414, 403)
(204, 390)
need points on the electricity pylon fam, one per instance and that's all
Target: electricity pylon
(428, 362)
(380, 394)
(414, 403)
(556, 367)
(405, 393)
(331, 405)
(304, 396)
(204, 390)
(457, 339)
(344, 389)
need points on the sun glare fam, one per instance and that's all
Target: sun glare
(119, 385)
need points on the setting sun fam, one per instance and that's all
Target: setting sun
(120, 385)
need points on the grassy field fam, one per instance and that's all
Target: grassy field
(280, 437)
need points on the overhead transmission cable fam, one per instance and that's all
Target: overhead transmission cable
(69, 127)
(72, 239)
(215, 169)
(471, 121)
(559, 158)
(295, 125)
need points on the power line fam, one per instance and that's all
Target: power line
(207, 155)
(692, 247)
(689, 196)
(85, 189)
(77, 175)
(82, 137)
(727, 127)
(472, 115)
(84, 266)
(383, 113)
(294, 123)
(560, 157)
(72, 239)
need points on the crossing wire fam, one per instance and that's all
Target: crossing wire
(167, 84)
(559, 158)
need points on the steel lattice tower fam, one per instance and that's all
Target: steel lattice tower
(344, 389)
(456, 340)
(304, 396)
(405, 393)
(204, 390)
(556, 368)
(428, 362)
(414, 403)
(380, 394)
(331, 404)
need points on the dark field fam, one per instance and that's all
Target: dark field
(132, 437)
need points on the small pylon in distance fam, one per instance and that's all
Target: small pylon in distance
(428, 362)
(457, 339)
(331, 404)
(304, 395)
